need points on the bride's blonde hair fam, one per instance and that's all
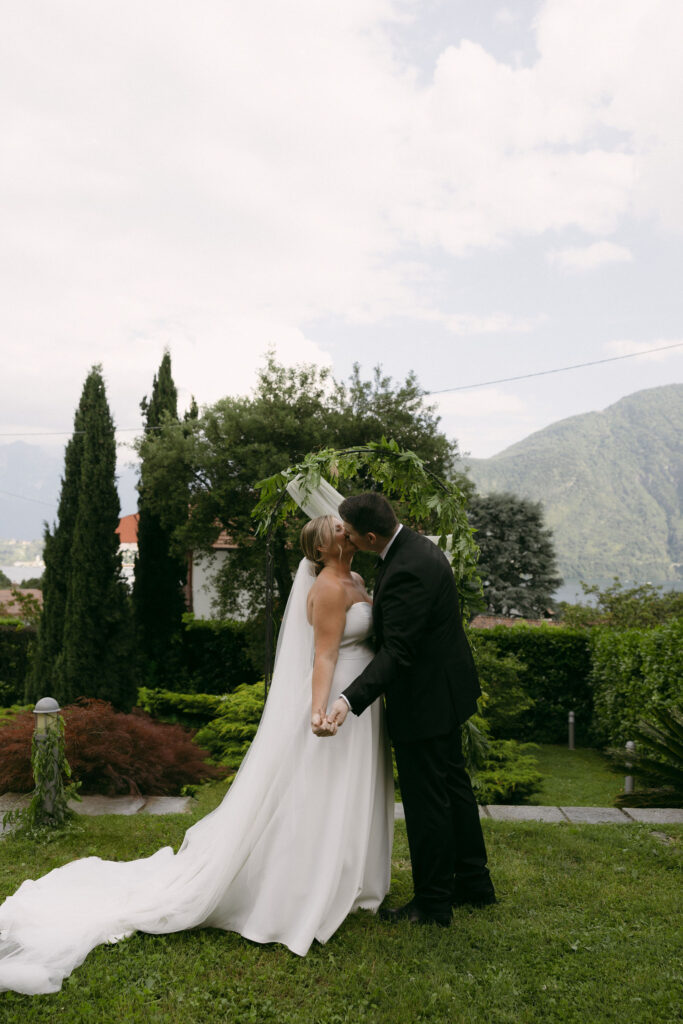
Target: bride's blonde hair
(317, 533)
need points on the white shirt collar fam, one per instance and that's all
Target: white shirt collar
(383, 553)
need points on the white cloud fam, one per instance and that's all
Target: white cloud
(627, 348)
(506, 16)
(217, 176)
(478, 403)
(590, 257)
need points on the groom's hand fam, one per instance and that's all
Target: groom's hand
(321, 724)
(340, 710)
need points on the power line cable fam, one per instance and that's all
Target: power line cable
(558, 369)
(440, 391)
(36, 501)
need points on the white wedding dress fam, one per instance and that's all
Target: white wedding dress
(302, 838)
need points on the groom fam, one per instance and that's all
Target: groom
(424, 667)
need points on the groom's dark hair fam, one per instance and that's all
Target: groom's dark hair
(369, 513)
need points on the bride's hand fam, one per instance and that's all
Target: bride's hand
(321, 725)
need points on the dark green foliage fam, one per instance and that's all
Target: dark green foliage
(96, 657)
(229, 735)
(191, 709)
(58, 543)
(556, 676)
(509, 774)
(5, 581)
(158, 598)
(16, 642)
(215, 655)
(624, 607)
(212, 463)
(517, 562)
(657, 760)
(49, 805)
(33, 583)
(504, 701)
(635, 672)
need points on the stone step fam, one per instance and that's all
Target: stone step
(95, 805)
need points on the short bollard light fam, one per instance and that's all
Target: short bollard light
(46, 711)
(628, 779)
(47, 775)
(572, 720)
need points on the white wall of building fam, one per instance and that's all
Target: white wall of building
(204, 570)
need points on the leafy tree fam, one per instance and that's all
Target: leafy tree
(624, 607)
(158, 599)
(214, 463)
(96, 653)
(517, 562)
(43, 678)
(28, 607)
(5, 581)
(32, 583)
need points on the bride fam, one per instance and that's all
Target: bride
(270, 862)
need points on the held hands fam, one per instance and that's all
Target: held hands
(327, 725)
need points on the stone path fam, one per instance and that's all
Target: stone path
(91, 805)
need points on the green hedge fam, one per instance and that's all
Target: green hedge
(191, 709)
(555, 675)
(634, 671)
(15, 647)
(215, 656)
(226, 724)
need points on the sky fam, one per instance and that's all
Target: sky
(468, 189)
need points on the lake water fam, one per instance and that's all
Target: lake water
(17, 573)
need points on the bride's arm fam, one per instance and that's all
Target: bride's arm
(328, 614)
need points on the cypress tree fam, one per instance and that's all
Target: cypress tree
(158, 598)
(96, 657)
(43, 679)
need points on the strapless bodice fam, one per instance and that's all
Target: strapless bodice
(357, 628)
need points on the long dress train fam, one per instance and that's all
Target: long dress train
(302, 838)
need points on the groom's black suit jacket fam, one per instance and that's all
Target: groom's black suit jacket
(423, 663)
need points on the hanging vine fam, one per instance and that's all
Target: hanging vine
(49, 805)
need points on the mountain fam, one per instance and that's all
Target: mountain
(611, 483)
(30, 479)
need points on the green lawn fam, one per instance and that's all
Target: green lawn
(586, 931)
(575, 778)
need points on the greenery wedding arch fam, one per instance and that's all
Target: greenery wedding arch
(429, 503)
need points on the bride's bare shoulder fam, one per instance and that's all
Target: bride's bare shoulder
(327, 596)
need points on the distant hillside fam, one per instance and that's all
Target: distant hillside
(611, 483)
(30, 480)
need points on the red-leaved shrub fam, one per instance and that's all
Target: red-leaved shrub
(110, 752)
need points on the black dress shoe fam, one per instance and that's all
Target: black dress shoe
(412, 913)
(475, 899)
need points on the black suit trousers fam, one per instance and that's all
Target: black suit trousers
(447, 850)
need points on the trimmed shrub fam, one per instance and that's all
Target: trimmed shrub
(215, 656)
(555, 675)
(509, 774)
(189, 709)
(227, 724)
(635, 671)
(16, 641)
(229, 735)
(110, 752)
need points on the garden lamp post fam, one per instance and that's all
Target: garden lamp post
(46, 736)
(628, 779)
